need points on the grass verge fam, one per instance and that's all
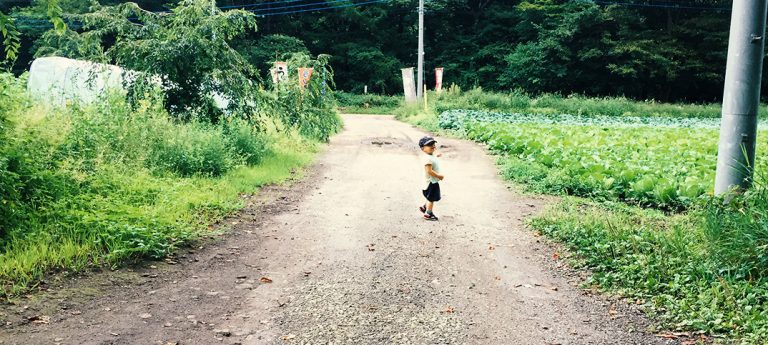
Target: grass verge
(114, 182)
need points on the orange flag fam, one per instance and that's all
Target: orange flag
(304, 74)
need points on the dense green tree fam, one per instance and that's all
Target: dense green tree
(12, 36)
(189, 50)
(265, 50)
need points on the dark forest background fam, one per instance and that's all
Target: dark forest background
(662, 50)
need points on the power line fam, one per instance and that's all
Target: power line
(298, 6)
(323, 8)
(254, 11)
(260, 4)
(666, 5)
(259, 14)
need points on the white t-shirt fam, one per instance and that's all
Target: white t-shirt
(427, 159)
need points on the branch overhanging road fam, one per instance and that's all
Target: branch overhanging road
(343, 257)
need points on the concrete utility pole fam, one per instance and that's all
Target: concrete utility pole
(213, 12)
(741, 97)
(420, 68)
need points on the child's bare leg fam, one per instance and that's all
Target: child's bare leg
(430, 205)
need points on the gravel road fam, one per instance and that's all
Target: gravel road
(343, 257)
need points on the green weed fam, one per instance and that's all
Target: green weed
(667, 263)
(114, 182)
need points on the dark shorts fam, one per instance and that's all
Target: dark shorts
(432, 193)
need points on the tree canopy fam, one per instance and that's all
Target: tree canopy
(671, 51)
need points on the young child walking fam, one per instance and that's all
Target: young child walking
(431, 167)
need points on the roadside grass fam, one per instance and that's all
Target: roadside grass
(108, 184)
(669, 263)
(139, 215)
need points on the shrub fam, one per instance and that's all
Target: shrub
(193, 149)
(12, 208)
(737, 233)
(246, 141)
(309, 109)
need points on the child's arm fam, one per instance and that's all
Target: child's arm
(430, 172)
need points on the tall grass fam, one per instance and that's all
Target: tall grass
(112, 182)
(737, 234)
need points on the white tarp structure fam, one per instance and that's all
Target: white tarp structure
(59, 81)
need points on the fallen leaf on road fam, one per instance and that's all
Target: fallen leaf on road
(449, 310)
(289, 336)
(556, 256)
(265, 280)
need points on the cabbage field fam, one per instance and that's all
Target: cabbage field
(660, 162)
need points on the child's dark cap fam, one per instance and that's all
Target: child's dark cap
(426, 141)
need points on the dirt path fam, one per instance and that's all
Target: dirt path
(351, 262)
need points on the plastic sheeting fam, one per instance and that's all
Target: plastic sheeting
(60, 81)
